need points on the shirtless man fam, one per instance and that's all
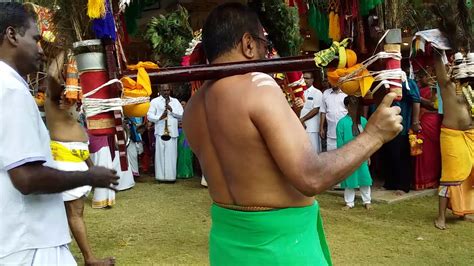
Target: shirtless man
(257, 157)
(457, 150)
(69, 145)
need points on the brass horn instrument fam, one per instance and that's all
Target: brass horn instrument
(166, 134)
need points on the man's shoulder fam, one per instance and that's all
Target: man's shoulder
(316, 91)
(174, 100)
(327, 91)
(345, 119)
(154, 100)
(260, 79)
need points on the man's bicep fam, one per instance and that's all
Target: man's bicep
(282, 131)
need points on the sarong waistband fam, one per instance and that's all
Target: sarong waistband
(69, 151)
(244, 208)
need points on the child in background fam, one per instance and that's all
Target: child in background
(347, 129)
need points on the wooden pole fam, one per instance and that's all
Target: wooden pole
(218, 71)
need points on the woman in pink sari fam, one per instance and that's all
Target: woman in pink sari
(428, 164)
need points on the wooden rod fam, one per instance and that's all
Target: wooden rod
(218, 71)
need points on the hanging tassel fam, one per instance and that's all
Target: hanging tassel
(104, 28)
(334, 23)
(334, 27)
(96, 9)
(331, 25)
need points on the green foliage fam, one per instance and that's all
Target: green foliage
(282, 24)
(169, 36)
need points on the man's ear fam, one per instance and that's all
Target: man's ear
(248, 45)
(10, 36)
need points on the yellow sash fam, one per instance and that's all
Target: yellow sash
(62, 153)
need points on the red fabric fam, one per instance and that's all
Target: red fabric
(428, 164)
(89, 81)
(394, 64)
(295, 76)
(302, 8)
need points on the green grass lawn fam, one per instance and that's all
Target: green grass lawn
(169, 224)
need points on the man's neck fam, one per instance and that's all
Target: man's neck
(229, 58)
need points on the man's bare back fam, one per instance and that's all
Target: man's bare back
(231, 150)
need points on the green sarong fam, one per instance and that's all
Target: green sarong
(291, 236)
(185, 158)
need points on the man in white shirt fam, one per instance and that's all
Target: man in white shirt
(33, 224)
(309, 115)
(332, 110)
(165, 111)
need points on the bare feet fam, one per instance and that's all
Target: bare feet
(399, 192)
(468, 217)
(346, 208)
(368, 206)
(440, 224)
(101, 262)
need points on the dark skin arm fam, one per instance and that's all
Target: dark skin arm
(89, 163)
(306, 170)
(55, 89)
(415, 117)
(322, 131)
(310, 115)
(427, 104)
(38, 179)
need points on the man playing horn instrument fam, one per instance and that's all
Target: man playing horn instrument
(165, 111)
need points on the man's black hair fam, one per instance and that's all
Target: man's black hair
(225, 26)
(14, 15)
(350, 99)
(346, 101)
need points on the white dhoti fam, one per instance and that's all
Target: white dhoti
(133, 150)
(40, 257)
(166, 157)
(126, 179)
(331, 144)
(103, 197)
(315, 141)
(71, 156)
(79, 192)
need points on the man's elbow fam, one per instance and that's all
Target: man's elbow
(25, 187)
(312, 186)
(22, 181)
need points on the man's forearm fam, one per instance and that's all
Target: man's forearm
(440, 70)
(323, 120)
(334, 166)
(415, 116)
(310, 115)
(39, 179)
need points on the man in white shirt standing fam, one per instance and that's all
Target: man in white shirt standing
(332, 110)
(310, 116)
(165, 111)
(33, 224)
